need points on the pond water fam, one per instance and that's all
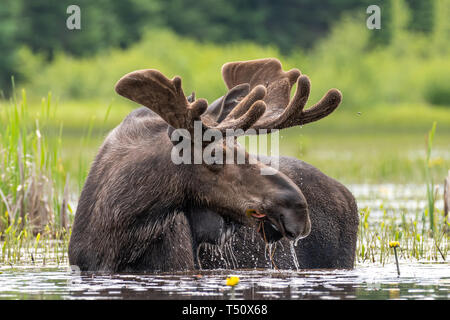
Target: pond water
(410, 198)
(418, 280)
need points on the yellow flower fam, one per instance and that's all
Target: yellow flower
(394, 244)
(232, 281)
(394, 293)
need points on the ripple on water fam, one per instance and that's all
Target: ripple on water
(417, 281)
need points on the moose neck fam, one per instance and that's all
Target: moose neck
(167, 246)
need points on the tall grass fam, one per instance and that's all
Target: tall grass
(419, 239)
(431, 196)
(35, 203)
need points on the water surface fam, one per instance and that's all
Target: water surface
(417, 281)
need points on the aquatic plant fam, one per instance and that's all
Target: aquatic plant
(395, 245)
(431, 196)
(418, 243)
(34, 187)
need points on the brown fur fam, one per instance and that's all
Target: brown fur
(331, 243)
(134, 201)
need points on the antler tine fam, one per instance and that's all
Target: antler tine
(166, 98)
(163, 96)
(221, 107)
(329, 102)
(294, 114)
(247, 112)
(282, 112)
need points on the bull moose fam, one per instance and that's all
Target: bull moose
(140, 211)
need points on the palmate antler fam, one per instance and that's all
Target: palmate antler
(166, 98)
(258, 98)
(281, 112)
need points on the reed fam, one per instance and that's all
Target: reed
(418, 242)
(35, 202)
(431, 195)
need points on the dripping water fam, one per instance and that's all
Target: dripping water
(198, 257)
(294, 255)
(232, 250)
(271, 251)
(232, 256)
(227, 266)
(266, 249)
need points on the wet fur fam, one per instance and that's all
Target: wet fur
(331, 243)
(127, 219)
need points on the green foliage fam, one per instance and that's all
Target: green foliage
(437, 88)
(32, 174)
(282, 23)
(288, 24)
(416, 242)
(422, 15)
(104, 24)
(9, 25)
(367, 76)
(198, 64)
(431, 197)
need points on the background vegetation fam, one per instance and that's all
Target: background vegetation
(61, 104)
(395, 81)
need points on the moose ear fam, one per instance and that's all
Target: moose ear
(232, 98)
(220, 108)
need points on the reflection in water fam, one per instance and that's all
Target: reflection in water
(418, 281)
(411, 198)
